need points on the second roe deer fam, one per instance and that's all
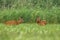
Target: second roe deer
(41, 22)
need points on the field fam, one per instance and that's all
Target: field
(27, 31)
(29, 10)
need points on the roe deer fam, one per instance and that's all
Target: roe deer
(41, 22)
(14, 22)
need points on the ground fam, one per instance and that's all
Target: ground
(27, 31)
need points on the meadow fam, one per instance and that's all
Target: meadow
(30, 31)
(48, 10)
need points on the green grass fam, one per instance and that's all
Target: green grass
(29, 31)
(29, 15)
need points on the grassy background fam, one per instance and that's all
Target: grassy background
(30, 32)
(29, 15)
(47, 9)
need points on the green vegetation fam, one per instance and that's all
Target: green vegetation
(47, 9)
(30, 32)
(29, 3)
(29, 15)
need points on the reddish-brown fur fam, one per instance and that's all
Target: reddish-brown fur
(11, 22)
(41, 22)
(14, 22)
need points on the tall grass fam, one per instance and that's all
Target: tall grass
(29, 15)
(30, 9)
(29, 3)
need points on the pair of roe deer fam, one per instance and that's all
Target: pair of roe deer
(20, 20)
